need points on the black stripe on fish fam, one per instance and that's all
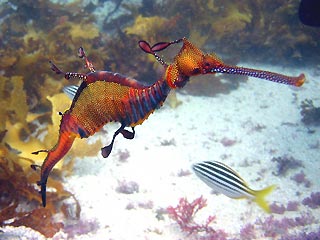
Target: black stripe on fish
(222, 178)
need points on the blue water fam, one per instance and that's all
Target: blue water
(267, 132)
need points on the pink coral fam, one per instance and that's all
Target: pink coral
(275, 208)
(184, 214)
(313, 201)
(300, 178)
(248, 231)
(228, 142)
(126, 187)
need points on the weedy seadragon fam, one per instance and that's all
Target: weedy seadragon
(104, 97)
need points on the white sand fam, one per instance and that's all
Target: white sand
(197, 128)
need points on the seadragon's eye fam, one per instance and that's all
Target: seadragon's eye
(209, 62)
(196, 71)
(205, 68)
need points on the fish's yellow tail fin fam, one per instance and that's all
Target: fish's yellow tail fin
(260, 197)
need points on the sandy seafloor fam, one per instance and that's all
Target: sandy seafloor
(172, 140)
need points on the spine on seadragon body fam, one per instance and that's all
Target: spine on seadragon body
(142, 102)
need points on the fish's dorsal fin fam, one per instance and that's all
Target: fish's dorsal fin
(70, 91)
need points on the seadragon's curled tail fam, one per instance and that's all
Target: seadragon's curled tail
(67, 136)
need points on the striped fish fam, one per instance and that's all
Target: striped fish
(225, 180)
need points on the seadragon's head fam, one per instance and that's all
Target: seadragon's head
(191, 61)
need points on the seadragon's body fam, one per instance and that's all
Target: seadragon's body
(105, 97)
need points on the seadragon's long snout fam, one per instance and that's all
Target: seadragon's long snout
(270, 76)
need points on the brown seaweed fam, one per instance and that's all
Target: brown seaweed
(20, 201)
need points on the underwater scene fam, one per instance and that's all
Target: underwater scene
(186, 119)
